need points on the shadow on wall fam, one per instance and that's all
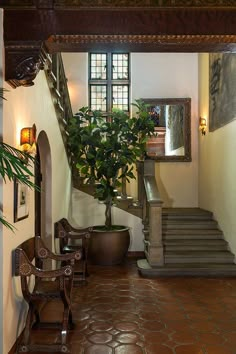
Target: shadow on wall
(167, 201)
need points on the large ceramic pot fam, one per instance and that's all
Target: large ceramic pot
(109, 247)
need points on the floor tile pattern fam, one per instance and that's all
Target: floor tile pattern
(119, 312)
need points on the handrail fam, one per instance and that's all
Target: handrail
(57, 82)
(152, 217)
(151, 188)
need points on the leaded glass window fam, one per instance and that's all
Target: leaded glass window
(109, 81)
(120, 66)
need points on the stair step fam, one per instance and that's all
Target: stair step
(194, 242)
(195, 247)
(186, 213)
(188, 224)
(194, 269)
(198, 257)
(193, 234)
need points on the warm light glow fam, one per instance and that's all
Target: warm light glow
(202, 125)
(28, 139)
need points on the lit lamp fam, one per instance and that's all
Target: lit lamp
(28, 139)
(202, 125)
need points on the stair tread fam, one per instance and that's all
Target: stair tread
(199, 265)
(194, 241)
(193, 231)
(176, 211)
(197, 253)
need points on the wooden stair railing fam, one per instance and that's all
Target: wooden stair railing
(57, 82)
(152, 217)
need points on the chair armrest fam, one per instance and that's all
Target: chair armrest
(66, 271)
(43, 253)
(75, 235)
(26, 268)
(82, 229)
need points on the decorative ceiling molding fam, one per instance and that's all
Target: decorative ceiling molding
(141, 39)
(117, 3)
(145, 3)
(139, 43)
(24, 63)
(130, 25)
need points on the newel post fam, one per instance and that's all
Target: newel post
(153, 243)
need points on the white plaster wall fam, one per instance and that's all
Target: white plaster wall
(76, 69)
(171, 75)
(1, 188)
(153, 75)
(25, 106)
(217, 168)
(87, 211)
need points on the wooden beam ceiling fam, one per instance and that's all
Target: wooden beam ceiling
(37, 27)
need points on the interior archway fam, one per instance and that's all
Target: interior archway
(46, 188)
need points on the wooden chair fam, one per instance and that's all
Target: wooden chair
(52, 288)
(72, 239)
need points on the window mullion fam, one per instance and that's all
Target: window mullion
(109, 82)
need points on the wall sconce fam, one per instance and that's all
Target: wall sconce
(202, 125)
(28, 140)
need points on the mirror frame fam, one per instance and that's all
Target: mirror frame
(186, 102)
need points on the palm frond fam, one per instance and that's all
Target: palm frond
(7, 224)
(13, 165)
(2, 90)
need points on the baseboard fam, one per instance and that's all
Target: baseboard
(14, 347)
(136, 254)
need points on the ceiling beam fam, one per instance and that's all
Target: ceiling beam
(56, 27)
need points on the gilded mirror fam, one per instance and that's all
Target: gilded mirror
(172, 118)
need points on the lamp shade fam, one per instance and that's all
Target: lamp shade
(28, 135)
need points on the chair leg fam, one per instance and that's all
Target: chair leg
(22, 347)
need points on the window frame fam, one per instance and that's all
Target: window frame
(109, 81)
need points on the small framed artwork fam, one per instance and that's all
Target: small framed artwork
(21, 201)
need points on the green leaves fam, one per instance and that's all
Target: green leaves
(13, 165)
(105, 150)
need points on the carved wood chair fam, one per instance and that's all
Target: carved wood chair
(52, 288)
(72, 239)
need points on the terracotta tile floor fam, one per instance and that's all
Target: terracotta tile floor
(119, 312)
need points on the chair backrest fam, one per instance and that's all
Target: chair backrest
(25, 249)
(31, 249)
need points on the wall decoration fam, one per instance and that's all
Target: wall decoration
(21, 201)
(222, 89)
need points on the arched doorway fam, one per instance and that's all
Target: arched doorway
(43, 199)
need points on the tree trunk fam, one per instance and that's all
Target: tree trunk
(108, 214)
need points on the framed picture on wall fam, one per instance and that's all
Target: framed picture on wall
(21, 201)
(222, 88)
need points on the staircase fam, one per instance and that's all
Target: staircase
(193, 245)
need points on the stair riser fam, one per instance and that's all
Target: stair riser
(192, 243)
(185, 217)
(196, 248)
(181, 260)
(191, 237)
(184, 226)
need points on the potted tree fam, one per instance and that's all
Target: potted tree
(104, 152)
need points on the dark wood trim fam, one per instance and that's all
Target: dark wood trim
(132, 26)
(23, 63)
(14, 347)
(51, 4)
(136, 254)
(142, 43)
(37, 203)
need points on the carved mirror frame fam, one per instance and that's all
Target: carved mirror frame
(186, 103)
